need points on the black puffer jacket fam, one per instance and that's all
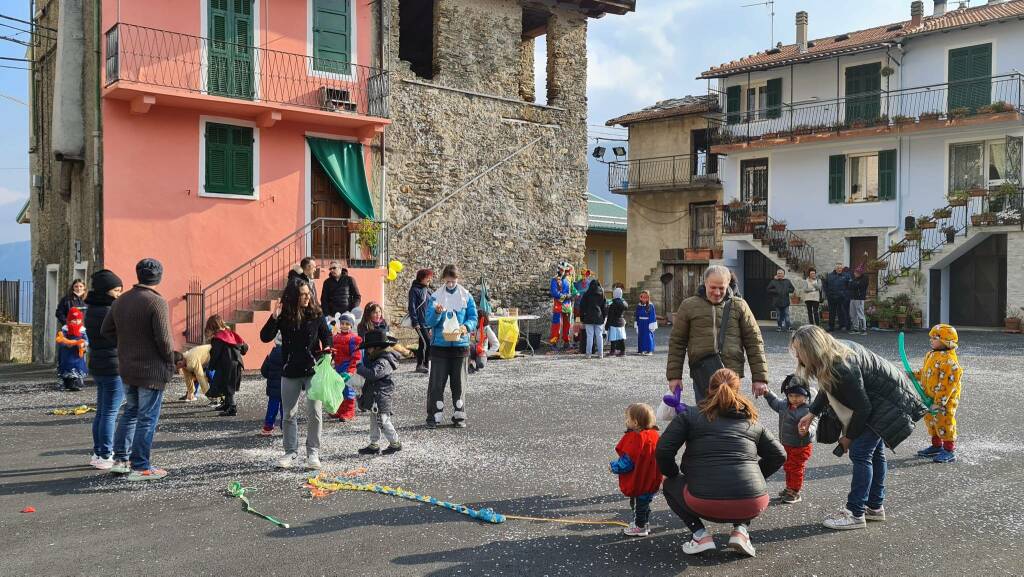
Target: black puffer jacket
(728, 458)
(339, 295)
(102, 351)
(300, 346)
(593, 306)
(378, 386)
(879, 394)
(616, 310)
(859, 288)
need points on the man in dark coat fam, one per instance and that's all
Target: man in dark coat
(837, 292)
(780, 288)
(304, 273)
(339, 294)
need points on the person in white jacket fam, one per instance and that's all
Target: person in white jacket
(810, 293)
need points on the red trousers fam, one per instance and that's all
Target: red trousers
(796, 462)
(347, 410)
(564, 324)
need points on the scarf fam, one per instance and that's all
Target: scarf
(454, 301)
(75, 329)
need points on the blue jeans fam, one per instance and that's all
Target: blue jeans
(274, 413)
(783, 319)
(867, 487)
(595, 339)
(641, 507)
(135, 428)
(109, 396)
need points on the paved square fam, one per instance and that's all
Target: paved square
(541, 433)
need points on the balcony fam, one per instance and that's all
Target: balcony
(966, 103)
(146, 66)
(664, 173)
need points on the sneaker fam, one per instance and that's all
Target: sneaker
(265, 432)
(431, 423)
(371, 449)
(844, 521)
(150, 474)
(874, 514)
(312, 460)
(422, 370)
(739, 541)
(944, 456)
(699, 545)
(214, 402)
(634, 531)
(392, 449)
(120, 468)
(783, 493)
(791, 498)
(101, 463)
(459, 424)
(229, 412)
(183, 398)
(288, 461)
(930, 451)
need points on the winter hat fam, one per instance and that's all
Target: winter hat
(616, 293)
(794, 384)
(75, 314)
(149, 271)
(376, 339)
(348, 318)
(947, 334)
(104, 280)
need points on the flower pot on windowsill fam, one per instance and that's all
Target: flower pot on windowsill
(978, 192)
(926, 224)
(942, 213)
(959, 201)
(926, 116)
(354, 226)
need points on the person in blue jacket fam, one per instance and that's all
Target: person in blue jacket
(449, 352)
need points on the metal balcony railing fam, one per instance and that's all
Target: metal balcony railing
(203, 66)
(663, 173)
(752, 218)
(951, 100)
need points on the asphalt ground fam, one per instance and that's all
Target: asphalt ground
(541, 433)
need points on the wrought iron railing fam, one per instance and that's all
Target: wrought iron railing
(995, 206)
(354, 243)
(203, 66)
(662, 173)
(16, 301)
(881, 109)
(753, 218)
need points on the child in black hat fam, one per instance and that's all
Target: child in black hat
(379, 363)
(798, 447)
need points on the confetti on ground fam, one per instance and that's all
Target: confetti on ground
(79, 410)
(29, 509)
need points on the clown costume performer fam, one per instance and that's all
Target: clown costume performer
(561, 305)
(940, 377)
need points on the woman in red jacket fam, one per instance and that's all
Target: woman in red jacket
(639, 477)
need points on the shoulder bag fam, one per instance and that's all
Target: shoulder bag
(702, 370)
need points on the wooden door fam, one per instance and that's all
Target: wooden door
(686, 280)
(702, 225)
(331, 239)
(863, 250)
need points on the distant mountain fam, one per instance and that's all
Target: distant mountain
(16, 261)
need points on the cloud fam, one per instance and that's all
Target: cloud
(8, 196)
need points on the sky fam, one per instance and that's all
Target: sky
(633, 61)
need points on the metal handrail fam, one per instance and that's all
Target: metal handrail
(662, 171)
(200, 65)
(785, 243)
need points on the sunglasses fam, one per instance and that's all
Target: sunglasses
(334, 268)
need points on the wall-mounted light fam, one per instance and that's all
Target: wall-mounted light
(599, 152)
(619, 151)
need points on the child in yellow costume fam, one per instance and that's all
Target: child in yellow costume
(940, 377)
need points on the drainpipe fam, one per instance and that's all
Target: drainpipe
(97, 135)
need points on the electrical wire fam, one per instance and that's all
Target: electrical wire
(14, 67)
(5, 17)
(14, 59)
(17, 41)
(20, 31)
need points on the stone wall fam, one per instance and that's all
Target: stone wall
(831, 246)
(15, 343)
(514, 223)
(1014, 270)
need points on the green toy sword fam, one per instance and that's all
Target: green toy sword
(910, 373)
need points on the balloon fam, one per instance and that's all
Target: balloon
(910, 373)
(392, 275)
(396, 266)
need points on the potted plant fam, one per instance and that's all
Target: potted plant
(930, 115)
(758, 218)
(1001, 106)
(797, 242)
(958, 197)
(887, 71)
(735, 204)
(897, 247)
(1008, 216)
(942, 213)
(997, 200)
(918, 318)
(369, 236)
(901, 119)
(983, 218)
(882, 120)
(950, 233)
(977, 191)
(1012, 322)
(912, 235)
(925, 222)
(779, 226)
(877, 265)
(959, 112)
(885, 318)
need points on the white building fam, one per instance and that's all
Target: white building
(842, 138)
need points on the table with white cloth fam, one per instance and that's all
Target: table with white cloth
(521, 321)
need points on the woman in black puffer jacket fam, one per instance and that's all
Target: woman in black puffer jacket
(877, 405)
(722, 474)
(106, 287)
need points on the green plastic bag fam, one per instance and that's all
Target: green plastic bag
(327, 386)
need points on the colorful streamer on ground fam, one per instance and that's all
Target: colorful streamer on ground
(236, 489)
(72, 411)
(910, 373)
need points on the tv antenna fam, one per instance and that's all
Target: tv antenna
(771, 14)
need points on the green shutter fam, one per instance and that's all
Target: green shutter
(863, 92)
(332, 29)
(229, 159)
(887, 174)
(970, 71)
(230, 48)
(837, 179)
(774, 98)
(241, 55)
(732, 104)
(218, 48)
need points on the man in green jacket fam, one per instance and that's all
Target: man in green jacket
(696, 326)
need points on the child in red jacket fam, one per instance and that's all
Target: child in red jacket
(639, 477)
(346, 357)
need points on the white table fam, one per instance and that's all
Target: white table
(519, 322)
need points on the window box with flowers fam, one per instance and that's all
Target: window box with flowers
(958, 198)
(925, 223)
(942, 213)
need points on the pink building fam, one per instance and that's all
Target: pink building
(230, 129)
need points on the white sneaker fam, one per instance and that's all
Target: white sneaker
(101, 463)
(739, 541)
(634, 531)
(699, 545)
(844, 521)
(312, 460)
(874, 514)
(288, 461)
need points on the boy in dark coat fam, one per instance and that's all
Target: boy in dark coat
(378, 388)
(798, 446)
(271, 370)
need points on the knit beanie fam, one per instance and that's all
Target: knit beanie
(104, 280)
(149, 271)
(348, 318)
(616, 293)
(947, 334)
(794, 384)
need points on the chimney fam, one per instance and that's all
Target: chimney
(940, 8)
(801, 31)
(916, 13)
(995, 1)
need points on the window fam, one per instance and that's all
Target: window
(416, 36)
(533, 60)
(608, 274)
(863, 178)
(230, 70)
(332, 36)
(228, 160)
(754, 102)
(983, 164)
(969, 71)
(592, 263)
(754, 180)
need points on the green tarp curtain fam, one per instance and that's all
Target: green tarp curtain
(343, 163)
